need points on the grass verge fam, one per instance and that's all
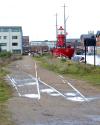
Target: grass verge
(5, 94)
(69, 68)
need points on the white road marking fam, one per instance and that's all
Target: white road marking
(65, 81)
(26, 84)
(76, 99)
(23, 80)
(70, 94)
(53, 89)
(36, 80)
(14, 84)
(16, 87)
(50, 90)
(36, 70)
(30, 95)
(37, 86)
(11, 81)
(54, 94)
(47, 90)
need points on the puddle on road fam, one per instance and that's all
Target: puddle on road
(95, 118)
(50, 92)
(31, 95)
(26, 84)
(70, 94)
(55, 94)
(47, 90)
(67, 122)
(80, 99)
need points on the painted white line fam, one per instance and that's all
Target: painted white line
(50, 92)
(79, 99)
(36, 70)
(14, 84)
(30, 95)
(37, 83)
(61, 76)
(55, 94)
(27, 84)
(47, 90)
(11, 81)
(31, 76)
(38, 90)
(16, 87)
(65, 81)
(22, 79)
(70, 94)
(37, 80)
(52, 88)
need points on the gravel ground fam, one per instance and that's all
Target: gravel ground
(51, 110)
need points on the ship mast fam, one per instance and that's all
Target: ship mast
(65, 24)
(55, 44)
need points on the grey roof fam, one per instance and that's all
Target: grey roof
(10, 26)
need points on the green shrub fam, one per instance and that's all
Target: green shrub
(67, 67)
(5, 54)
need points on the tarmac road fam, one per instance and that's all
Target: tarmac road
(42, 97)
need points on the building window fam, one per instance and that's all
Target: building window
(3, 44)
(5, 37)
(15, 29)
(0, 37)
(16, 51)
(14, 44)
(14, 37)
(4, 29)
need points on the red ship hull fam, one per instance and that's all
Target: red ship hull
(66, 52)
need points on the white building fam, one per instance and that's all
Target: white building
(11, 39)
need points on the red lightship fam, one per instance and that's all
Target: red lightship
(61, 48)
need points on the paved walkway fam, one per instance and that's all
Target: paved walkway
(59, 103)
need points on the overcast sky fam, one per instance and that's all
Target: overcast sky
(37, 17)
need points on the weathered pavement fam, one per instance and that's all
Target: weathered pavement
(50, 100)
